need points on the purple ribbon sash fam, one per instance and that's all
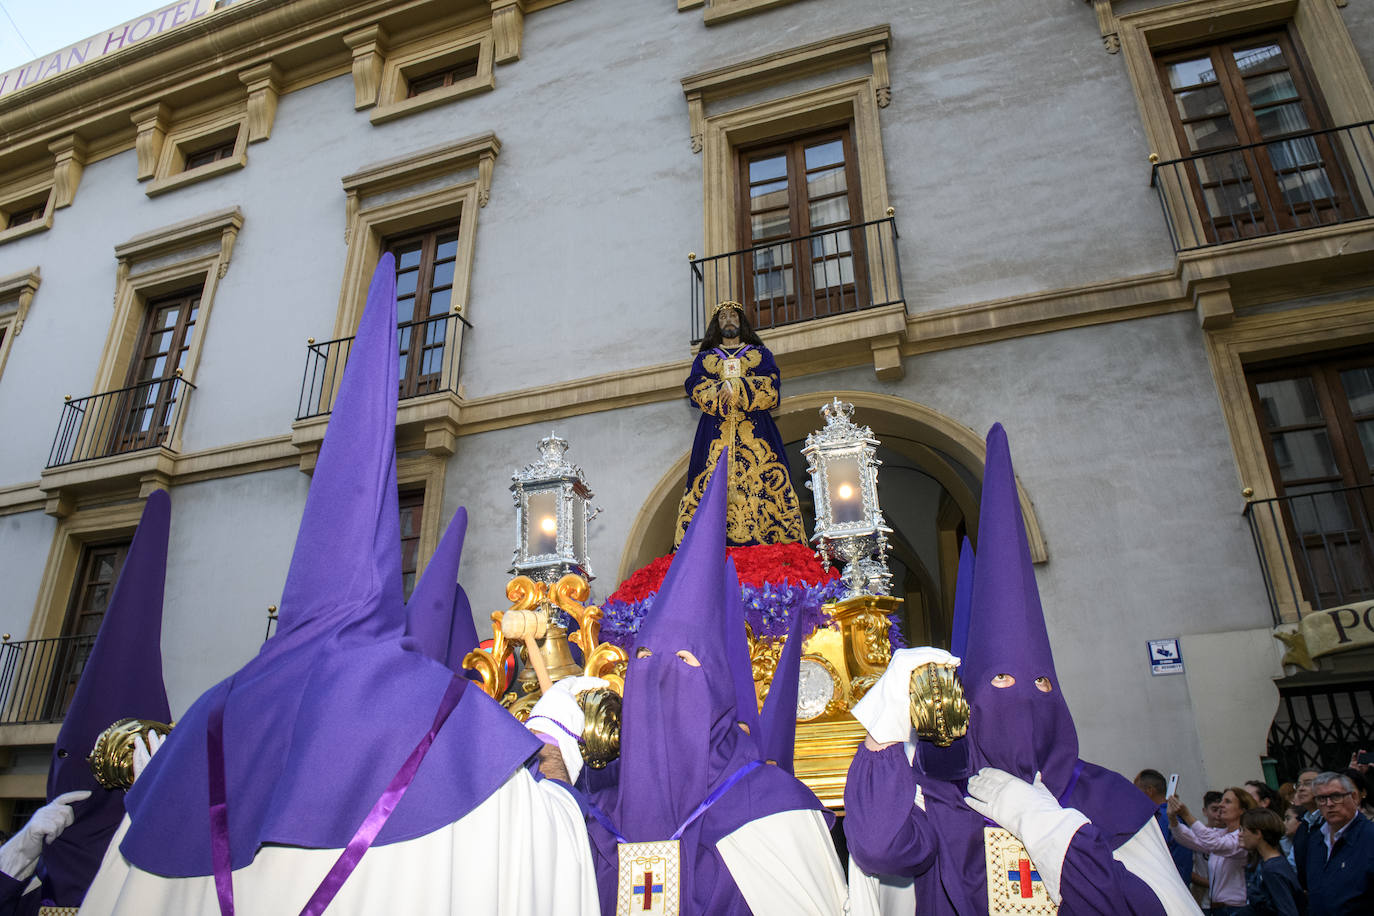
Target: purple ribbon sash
(605, 821)
(362, 840)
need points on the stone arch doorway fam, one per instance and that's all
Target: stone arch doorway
(930, 484)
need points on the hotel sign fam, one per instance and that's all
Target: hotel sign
(1326, 632)
(108, 42)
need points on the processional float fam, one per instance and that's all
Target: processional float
(842, 656)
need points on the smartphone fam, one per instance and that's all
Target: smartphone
(1365, 758)
(1173, 786)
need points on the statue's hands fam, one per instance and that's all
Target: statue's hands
(559, 716)
(886, 709)
(1032, 814)
(19, 856)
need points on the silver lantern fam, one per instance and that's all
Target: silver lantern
(850, 530)
(552, 508)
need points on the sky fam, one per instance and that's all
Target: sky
(49, 25)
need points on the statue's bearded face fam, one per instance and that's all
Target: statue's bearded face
(729, 322)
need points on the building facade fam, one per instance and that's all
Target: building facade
(1136, 233)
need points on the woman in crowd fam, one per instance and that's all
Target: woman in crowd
(1361, 780)
(1292, 820)
(1271, 884)
(1262, 793)
(1226, 857)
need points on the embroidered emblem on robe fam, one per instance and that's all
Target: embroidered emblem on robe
(1014, 885)
(650, 879)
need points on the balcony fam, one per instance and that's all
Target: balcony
(826, 274)
(38, 677)
(1300, 181)
(428, 385)
(1316, 550)
(143, 416)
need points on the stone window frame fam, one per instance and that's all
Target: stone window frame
(1330, 57)
(426, 473)
(165, 137)
(16, 297)
(1256, 339)
(54, 185)
(74, 531)
(381, 75)
(724, 10)
(856, 98)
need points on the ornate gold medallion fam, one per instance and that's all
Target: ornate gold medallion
(650, 879)
(730, 368)
(1014, 886)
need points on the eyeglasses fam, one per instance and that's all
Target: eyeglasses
(1332, 798)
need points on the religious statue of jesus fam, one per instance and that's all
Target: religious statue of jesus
(734, 382)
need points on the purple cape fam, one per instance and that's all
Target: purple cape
(319, 722)
(122, 679)
(680, 734)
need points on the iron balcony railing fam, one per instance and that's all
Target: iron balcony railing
(429, 363)
(146, 415)
(845, 269)
(1316, 550)
(1284, 184)
(38, 677)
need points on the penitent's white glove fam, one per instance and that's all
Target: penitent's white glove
(558, 715)
(1032, 814)
(886, 709)
(143, 753)
(19, 856)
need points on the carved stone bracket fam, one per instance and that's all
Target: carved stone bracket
(227, 238)
(264, 86)
(508, 28)
(882, 83)
(1212, 299)
(70, 153)
(696, 112)
(20, 287)
(152, 124)
(369, 47)
(486, 161)
(1106, 22)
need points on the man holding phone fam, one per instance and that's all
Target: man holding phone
(1152, 783)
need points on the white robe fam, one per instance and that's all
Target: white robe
(522, 852)
(785, 865)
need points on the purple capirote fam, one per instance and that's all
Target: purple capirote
(1021, 731)
(438, 615)
(680, 737)
(122, 678)
(778, 720)
(322, 718)
(737, 647)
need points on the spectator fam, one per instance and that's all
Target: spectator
(1226, 857)
(1303, 796)
(1263, 793)
(1292, 821)
(1211, 799)
(1271, 885)
(1152, 783)
(1286, 791)
(1336, 861)
(1357, 776)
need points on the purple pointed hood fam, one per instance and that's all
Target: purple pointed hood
(1020, 729)
(779, 717)
(122, 678)
(438, 615)
(737, 645)
(318, 723)
(680, 734)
